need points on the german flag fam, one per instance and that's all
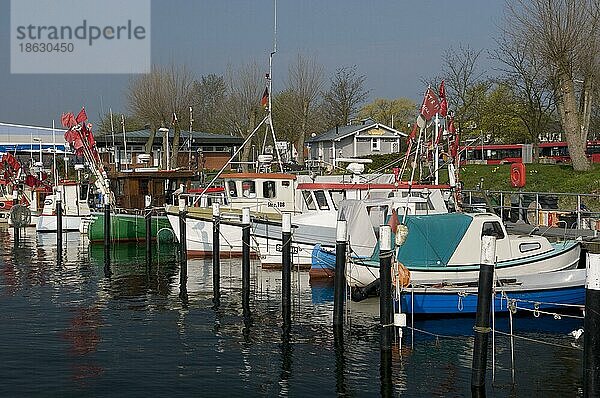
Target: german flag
(264, 101)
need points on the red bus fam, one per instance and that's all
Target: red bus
(512, 153)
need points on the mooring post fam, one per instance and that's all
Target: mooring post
(59, 225)
(591, 327)
(286, 269)
(339, 287)
(216, 253)
(182, 241)
(17, 231)
(246, 259)
(385, 310)
(385, 278)
(148, 219)
(107, 271)
(482, 320)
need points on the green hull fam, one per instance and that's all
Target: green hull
(130, 228)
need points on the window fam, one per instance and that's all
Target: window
(269, 189)
(492, 228)
(337, 197)
(375, 144)
(285, 183)
(527, 247)
(321, 200)
(308, 199)
(83, 191)
(232, 189)
(248, 189)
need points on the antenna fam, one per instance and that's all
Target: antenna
(112, 130)
(190, 140)
(124, 140)
(270, 85)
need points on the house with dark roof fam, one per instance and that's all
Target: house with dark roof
(354, 140)
(197, 150)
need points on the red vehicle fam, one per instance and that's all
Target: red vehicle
(513, 153)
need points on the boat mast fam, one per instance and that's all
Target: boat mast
(190, 140)
(112, 130)
(124, 139)
(270, 85)
(55, 172)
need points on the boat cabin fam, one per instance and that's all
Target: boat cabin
(261, 192)
(74, 198)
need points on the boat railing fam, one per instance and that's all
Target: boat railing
(573, 210)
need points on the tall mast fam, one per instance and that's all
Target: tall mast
(112, 130)
(124, 139)
(270, 85)
(55, 172)
(190, 139)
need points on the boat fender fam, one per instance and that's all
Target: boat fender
(400, 275)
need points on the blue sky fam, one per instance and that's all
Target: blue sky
(394, 43)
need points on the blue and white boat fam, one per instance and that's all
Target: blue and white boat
(560, 290)
(445, 248)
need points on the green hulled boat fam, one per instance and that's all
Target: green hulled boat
(129, 228)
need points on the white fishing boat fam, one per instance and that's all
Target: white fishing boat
(74, 200)
(445, 248)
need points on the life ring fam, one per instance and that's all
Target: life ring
(517, 175)
(400, 275)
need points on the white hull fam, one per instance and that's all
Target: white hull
(359, 275)
(47, 223)
(199, 237)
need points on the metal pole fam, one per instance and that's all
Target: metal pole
(385, 295)
(246, 259)
(578, 212)
(59, 228)
(591, 325)
(148, 218)
(339, 287)
(216, 255)
(286, 270)
(482, 320)
(182, 241)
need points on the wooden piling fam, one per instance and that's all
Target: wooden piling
(286, 270)
(385, 295)
(182, 241)
(591, 327)
(339, 287)
(216, 253)
(482, 320)
(246, 259)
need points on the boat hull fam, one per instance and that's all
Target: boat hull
(558, 290)
(48, 223)
(129, 228)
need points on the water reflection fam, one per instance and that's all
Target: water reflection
(147, 328)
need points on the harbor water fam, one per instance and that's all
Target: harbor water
(73, 327)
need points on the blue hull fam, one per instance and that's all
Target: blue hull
(454, 303)
(322, 260)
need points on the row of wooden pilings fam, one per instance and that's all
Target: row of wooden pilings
(591, 357)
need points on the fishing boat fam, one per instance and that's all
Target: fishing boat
(445, 248)
(534, 292)
(75, 208)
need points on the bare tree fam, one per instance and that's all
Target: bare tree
(396, 113)
(465, 84)
(245, 86)
(154, 98)
(210, 92)
(345, 95)
(526, 77)
(304, 83)
(565, 36)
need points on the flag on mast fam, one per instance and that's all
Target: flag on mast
(431, 105)
(264, 101)
(443, 100)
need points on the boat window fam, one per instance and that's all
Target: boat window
(527, 247)
(337, 197)
(232, 189)
(492, 228)
(285, 183)
(83, 191)
(308, 199)
(269, 189)
(248, 189)
(321, 200)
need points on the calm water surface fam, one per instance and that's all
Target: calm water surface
(71, 327)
